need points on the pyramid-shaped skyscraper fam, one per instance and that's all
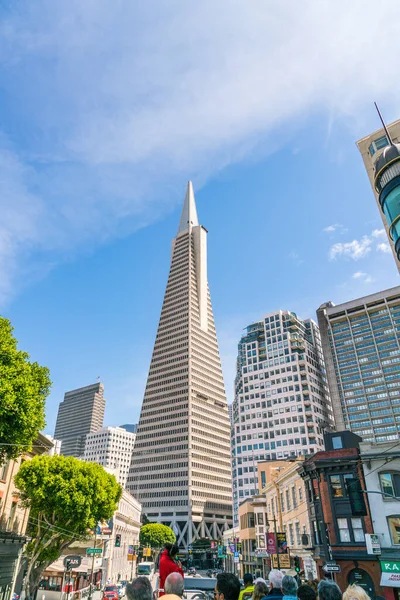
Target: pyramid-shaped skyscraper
(181, 469)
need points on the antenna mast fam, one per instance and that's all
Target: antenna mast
(384, 125)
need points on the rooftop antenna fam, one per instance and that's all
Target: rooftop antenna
(384, 125)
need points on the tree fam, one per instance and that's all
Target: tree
(67, 497)
(24, 387)
(155, 535)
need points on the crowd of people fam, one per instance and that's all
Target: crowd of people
(228, 587)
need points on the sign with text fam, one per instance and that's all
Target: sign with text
(372, 542)
(94, 551)
(281, 543)
(331, 567)
(72, 561)
(284, 561)
(271, 543)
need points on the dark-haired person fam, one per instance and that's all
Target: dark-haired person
(139, 589)
(306, 592)
(227, 587)
(329, 590)
(169, 564)
(248, 587)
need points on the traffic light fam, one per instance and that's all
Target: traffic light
(356, 497)
(297, 566)
(118, 540)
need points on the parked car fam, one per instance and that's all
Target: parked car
(110, 592)
(121, 590)
(191, 571)
(209, 573)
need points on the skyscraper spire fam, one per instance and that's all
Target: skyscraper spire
(189, 212)
(180, 470)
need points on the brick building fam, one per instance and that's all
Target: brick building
(339, 535)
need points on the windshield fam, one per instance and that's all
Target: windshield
(110, 588)
(144, 569)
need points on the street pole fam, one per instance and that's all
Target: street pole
(276, 543)
(93, 556)
(69, 581)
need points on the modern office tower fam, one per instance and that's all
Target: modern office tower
(81, 412)
(360, 341)
(132, 427)
(181, 471)
(111, 447)
(381, 155)
(282, 404)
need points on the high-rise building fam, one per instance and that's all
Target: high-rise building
(81, 412)
(111, 447)
(282, 405)
(131, 427)
(381, 155)
(181, 471)
(361, 345)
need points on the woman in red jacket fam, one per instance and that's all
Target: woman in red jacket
(168, 564)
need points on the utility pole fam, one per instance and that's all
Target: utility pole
(93, 557)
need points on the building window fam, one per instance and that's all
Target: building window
(358, 531)
(291, 535)
(3, 470)
(344, 533)
(316, 533)
(298, 535)
(336, 486)
(260, 518)
(294, 499)
(394, 528)
(390, 483)
(337, 442)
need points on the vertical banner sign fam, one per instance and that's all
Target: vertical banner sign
(130, 553)
(281, 543)
(271, 543)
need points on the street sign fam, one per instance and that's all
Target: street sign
(372, 542)
(390, 573)
(72, 561)
(331, 567)
(94, 551)
(284, 561)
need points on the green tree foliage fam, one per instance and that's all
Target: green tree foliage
(24, 387)
(155, 535)
(67, 497)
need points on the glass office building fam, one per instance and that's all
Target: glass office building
(361, 345)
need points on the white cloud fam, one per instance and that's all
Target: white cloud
(120, 101)
(334, 227)
(378, 233)
(355, 250)
(384, 247)
(363, 277)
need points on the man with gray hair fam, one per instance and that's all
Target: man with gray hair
(289, 588)
(275, 580)
(173, 587)
(139, 589)
(329, 590)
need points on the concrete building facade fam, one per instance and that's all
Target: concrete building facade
(181, 470)
(111, 447)
(361, 345)
(81, 412)
(372, 148)
(282, 404)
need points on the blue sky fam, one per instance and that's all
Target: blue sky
(109, 107)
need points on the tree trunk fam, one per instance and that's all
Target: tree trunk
(32, 580)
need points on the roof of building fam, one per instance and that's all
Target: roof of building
(189, 212)
(388, 154)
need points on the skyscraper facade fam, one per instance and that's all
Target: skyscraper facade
(282, 404)
(111, 447)
(81, 412)
(380, 152)
(361, 345)
(181, 470)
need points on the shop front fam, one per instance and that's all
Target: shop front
(11, 546)
(390, 579)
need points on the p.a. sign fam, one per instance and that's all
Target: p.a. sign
(72, 561)
(390, 573)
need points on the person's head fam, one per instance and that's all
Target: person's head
(174, 584)
(172, 549)
(355, 592)
(227, 587)
(260, 590)
(313, 583)
(306, 592)
(275, 578)
(329, 590)
(247, 579)
(139, 589)
(289, 586)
